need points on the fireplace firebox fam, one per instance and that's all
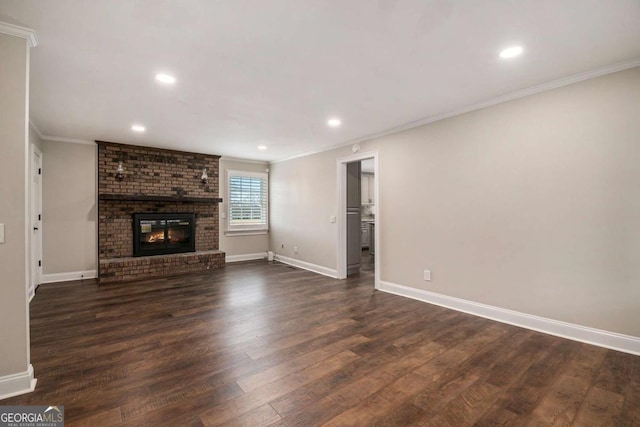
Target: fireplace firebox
(163, 233)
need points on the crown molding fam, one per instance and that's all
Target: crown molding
(554, 84)
(237, 159)
(70, 140)
(19, 31)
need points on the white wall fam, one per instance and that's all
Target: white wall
(239, 247)
(529, 205)
(68, 208)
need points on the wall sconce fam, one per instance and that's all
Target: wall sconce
(204, 178)
(120, 171)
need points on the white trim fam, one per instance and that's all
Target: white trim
(246, 257)
(20, 31)
(27, 212)
(16, 384)
(35, 270)
(307, 266)
(66, 277)
(554, 84)
(342, 212)
(236, 233)
(70, 140)
(598, 337)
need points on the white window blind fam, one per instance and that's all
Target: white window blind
(248, 200)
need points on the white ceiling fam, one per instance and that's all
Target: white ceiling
(272, 72)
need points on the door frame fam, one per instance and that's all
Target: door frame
(341, 249)
(35, 275)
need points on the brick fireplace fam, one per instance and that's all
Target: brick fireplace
(155, 181)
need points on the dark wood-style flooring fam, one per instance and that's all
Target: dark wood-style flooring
(260, 343)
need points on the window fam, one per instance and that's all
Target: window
(248, 200)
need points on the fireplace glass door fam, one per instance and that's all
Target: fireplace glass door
(157, 234)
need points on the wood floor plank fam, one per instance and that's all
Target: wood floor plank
(525, 394)
(110, 417)
(498, 416)
(359, 379)
(466, 408)
(263, 416)
(616, 373)
(260, 343)
(296, 364)
(258, 397)
(599, 408)
(630, 413)
(297, 338)
(561, 403)
(406, 415)
(378, 405)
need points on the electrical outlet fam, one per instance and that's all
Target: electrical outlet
(332, 219)
(295, 249)
(427, 275)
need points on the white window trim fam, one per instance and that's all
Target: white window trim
(245, 233)
(246, 229)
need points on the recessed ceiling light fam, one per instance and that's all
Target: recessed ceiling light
(262, 147)
(511, 52)
(334, 123)
(138, 128)
(165, 78)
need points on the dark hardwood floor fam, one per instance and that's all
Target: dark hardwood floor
(261, 343)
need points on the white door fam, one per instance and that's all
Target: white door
(36, 222)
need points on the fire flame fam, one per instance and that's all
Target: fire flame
(173, 236)
(158, 236)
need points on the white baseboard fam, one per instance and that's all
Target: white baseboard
(612, 340)
(307, 266)
(246, 257)
(15, 384)
(66, 277)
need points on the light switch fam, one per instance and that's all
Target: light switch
(1, 233)
(332, 218)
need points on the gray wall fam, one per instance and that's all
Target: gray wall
(14, 315)
(68, 207)
(529, 205)
(302, 198)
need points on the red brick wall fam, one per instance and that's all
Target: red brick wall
(153, 172)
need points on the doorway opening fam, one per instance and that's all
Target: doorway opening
(358, 219)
